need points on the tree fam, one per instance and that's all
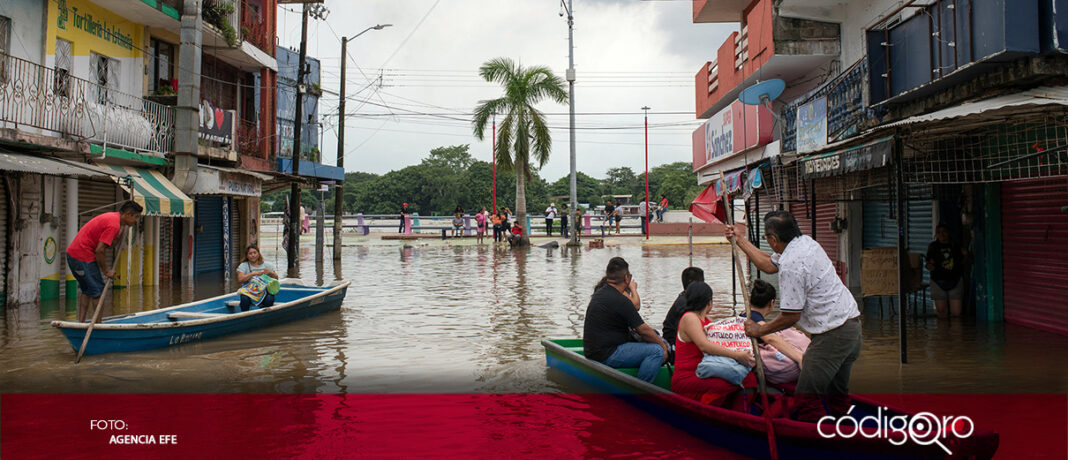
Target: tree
(588, 189)
(524, 136)
(621, 181)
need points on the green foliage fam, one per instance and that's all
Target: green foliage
(217, 13)
(588, 189)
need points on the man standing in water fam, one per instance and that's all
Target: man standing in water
(86, 253)
(404, 212)
(815, 299)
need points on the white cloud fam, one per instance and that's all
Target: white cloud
(627, 54)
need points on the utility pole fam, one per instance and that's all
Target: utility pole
(339, 192)
(648, 221)
(294, 190)
(571, 128)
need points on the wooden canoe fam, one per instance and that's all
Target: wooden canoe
(746, 433)
(201, 320)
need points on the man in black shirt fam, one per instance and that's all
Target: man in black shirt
(944, 260)
(612, 313)
(671, 321)
(404, 212)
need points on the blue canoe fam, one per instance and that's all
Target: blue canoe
(201, 320)
(746, 433)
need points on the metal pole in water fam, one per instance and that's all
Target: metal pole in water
(320, 231)
(690, 232)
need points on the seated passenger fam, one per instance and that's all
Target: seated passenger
(517, 234)
(671, 320)
(253, 291)
(692, 345)
(610, 317)
(781, 351)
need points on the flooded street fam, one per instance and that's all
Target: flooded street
(437, 318)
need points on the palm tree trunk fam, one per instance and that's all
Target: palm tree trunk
(521, 200)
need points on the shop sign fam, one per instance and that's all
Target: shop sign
(91, 27)
(812, 126)
(863, 157)
(216, 125)
(719, 135)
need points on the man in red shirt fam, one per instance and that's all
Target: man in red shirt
(517, 235)
(86, 256)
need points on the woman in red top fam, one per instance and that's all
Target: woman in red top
(692, 344)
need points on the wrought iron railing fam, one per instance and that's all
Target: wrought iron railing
(848, 111)
(250, 140)
(254, 30)
(52, 100)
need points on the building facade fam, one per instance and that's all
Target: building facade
(899, 116)
(89, 119)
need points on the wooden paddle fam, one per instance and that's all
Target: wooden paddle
(100, 303)
(761, 382)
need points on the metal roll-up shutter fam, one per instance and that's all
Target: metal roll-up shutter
(236, 249)
(96, 198)
(825, 213)
(1034, 268)
(3, 244)
(166, 247)
(756, 221)
(208, 242)
(880, 230)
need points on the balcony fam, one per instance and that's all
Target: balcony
(847, 107)
(34, 96)
(768, 46)
(944, 46)
(227, 30)
(707, 11)
(163, 14)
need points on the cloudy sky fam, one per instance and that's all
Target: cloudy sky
(412, 86)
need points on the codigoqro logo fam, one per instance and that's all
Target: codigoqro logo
(923, 428)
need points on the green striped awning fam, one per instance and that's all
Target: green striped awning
(159, 196)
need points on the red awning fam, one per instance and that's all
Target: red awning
(708, 206)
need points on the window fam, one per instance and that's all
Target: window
(5, 47)
(104, 71)
(61, 83)
(161, 67)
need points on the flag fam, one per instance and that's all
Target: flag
(708, 206)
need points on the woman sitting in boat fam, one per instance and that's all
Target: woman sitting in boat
(783, 351)
(692, 345)
(251, 274)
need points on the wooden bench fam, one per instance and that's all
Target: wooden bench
(192, 315)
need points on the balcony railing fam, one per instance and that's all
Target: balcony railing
(36, 96)
(254, 28)
(848, 109)
(250, 140)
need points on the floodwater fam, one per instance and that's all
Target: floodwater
(439, 318)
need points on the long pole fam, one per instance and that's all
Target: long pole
(339, 192)
(493, 160)
(761, 382)
(294, 190)
(902, 248)
(645, 218)
(571, 128)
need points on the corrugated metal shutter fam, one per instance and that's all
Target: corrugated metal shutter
(827, 238)
(1034, 266)
(880, 231)
(208, 243)
(96, 198)
(236, 249)
(756, 219)
(166, 247)
(3, 244)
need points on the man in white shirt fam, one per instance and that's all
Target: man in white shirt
(815, 299)
(643, 212)
(550, 214)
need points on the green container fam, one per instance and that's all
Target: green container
(272, 284)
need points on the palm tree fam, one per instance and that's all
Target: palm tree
(523, 137)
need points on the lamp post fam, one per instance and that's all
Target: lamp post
(648, 224)
(339, 193)
(493, 161)
(571, 109)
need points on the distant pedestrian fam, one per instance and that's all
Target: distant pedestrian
(86, 254)
(563, 222)
(517, 235)
(404, 213)
(305, 226)
(550, 214)
(480, 221)
(662, 208)
(497, 218)
(457, 223)
(643, 212)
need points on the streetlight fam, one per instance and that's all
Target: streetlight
(571, 108)
(648, 225)
(339, 195)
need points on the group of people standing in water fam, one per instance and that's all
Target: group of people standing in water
(713, 358)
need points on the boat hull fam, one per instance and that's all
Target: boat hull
(746, 433)
(132, 336)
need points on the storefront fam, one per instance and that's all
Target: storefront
(227, 218)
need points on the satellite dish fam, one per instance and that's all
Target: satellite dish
(762, 93)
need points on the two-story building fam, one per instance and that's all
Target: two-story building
(88, 120)
(952, 111)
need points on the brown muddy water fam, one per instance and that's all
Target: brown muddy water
(464, 318)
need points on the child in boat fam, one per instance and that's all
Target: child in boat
(781, 352)
(692, 345)
(250, 274)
